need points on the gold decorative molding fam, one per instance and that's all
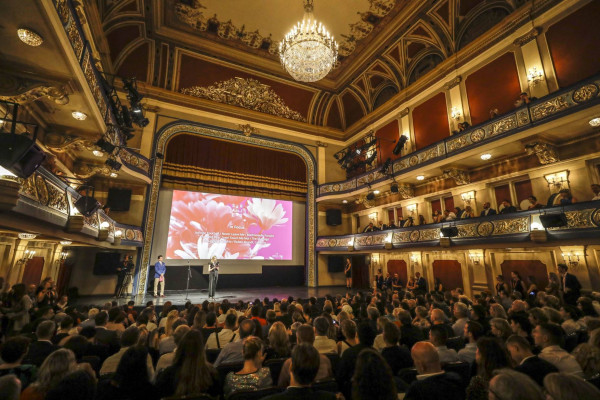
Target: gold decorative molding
(321, 144)
(248, 129)
(406, 191)
(59, 143)
(57, 94)
(404, 112)
(246, 93)
(528, 37)
(545, 152)
(461, 177)
(449, 85)
(85, 171)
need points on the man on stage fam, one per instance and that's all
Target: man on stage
(213, 276)
(122, 271)
(159, 276)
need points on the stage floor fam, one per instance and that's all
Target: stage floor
(178, 297)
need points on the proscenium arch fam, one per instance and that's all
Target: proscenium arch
(179, 127)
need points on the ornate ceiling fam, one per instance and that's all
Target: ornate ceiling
(202, 46)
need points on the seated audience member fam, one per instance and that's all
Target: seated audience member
(562, 386)
(350, 338)
(437, 217)
(438, 317)
(491, 355)
(90, 321)
(253, 376)
(217, 340)
(565, 198)
(467, 213)
(432, 382)
(10, 387)
(322, 343)
(409, 334)
(13, 352)
(116, 319)
(494, 112)
(500, 328)
(54, 368)
(507, 207)
(570, 316)
(524, 99)
(449, 215)
(596, 191)
(510, 385)
(533, 203)
(167, 343)
(520, 325)
(422, 220)
(370, 228)
(105, 336)
(303, 369)
(232, 351)
(43, 346)
(461, 313)
(379, 343)
(65, 327)
(487, 210)
(129, 338)
(381, 226)
(472, 332)
(396, 356)
(131, 379)
(548, 337)
(420, 319)
(190, 373)
(166, 360)
(588, 357)
(279, 342)
(373, 377)
(78, 385)
(526, 362)
(366, 337)
(438, 337)
(305, 334)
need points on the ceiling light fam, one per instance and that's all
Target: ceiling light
(27, 236)
(97, 153)
(79, 116)
(486, 156)
(595, 122)
(113, 174)
(345, 201)
(65, 242)
(29, 37)
(376, 191)
(308, 51)
(420, 177)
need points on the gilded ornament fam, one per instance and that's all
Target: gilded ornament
(42, 190)
(92, 220)
(503, 125)
(461, 177)
(332, 242)
(414, 160)
(485, 228)
(549, 107)
(545, 152)
(429, 234)
(523, 117)
(28, 188)
(511, 226)
(414, 235)
(55, 93)
(467, 230)
(336, 187)
(129, 234)
(246, 93)
(579, 219)
(406, 191)
(596, 217)
(57, 198)
(585, 93)
(477, 135)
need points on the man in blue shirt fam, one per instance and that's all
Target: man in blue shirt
(159, 277)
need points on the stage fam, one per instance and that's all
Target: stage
(178, 297)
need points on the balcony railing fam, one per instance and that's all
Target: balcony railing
(555, 105)
(583, 221)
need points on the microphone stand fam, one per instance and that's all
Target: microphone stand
(187, 285)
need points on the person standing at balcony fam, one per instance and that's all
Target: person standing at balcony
(565, 197)
(507, 207)
(159, 276)
(596, 190)
(449, 216)
(348, 272)
(570, 286)
(533, 203)
(487, 210)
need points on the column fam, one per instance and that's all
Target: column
(532, 72)
(405, 128)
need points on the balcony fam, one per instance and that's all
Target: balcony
(580, 96)
(583, 222)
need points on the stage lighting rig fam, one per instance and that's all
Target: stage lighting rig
(386, 166)
(400, 145)
(135, 102)
(113, 164)
(105, 146)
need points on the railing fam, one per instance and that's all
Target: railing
(582, 218)
(82, 49)
(47, 198)
(555, 105)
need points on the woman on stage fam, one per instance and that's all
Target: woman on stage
(348, 272)
(213, 277)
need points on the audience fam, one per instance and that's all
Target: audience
(10, 387)
(526, 362)
(510, 385)
(548, 337)
(252, 376)
(232, 352)
(373, 378)
(55, 367)
(562, 386)
(490, 356)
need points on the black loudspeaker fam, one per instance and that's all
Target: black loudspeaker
(87, 205)
(335, 263)
(106, 263)
(553, 220)
(334, 217)
(20, 155)
(119, 199)
(450, 231)
(394, 188)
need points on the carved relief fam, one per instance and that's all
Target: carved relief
(248, 129)
(55, 93)
(28, 188)
(549, 107)
(579, 219)
(468, 230)
(511, 226)
(429, 234)
(42, 190)
(461, 177)
(585, 93)
(406, 191)
(485, 228)
(84, 171)
(59, 143)
(246, 93)
(57, 198)
(545, 152)
(414, 236)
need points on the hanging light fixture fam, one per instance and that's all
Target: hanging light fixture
(308, 51)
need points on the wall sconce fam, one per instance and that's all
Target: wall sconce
(104, 225)
(414, 259)
(455, 113)
(475, 258)
(63, 255)
(28, 255)
(571, 258)
(560, 180)
(411, 208)
(468, 196)
(534, 76)
(65, 242)
(118, 233)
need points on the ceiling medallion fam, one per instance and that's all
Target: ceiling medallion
(29, 37)
(308, 52)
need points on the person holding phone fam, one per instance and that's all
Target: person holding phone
(213, 277)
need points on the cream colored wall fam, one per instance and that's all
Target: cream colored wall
(327, 230)
(82, 276)
(326, 278)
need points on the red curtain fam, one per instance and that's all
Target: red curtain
(526, 268)
(449, 273)
(502, 193)
(198, 163)
(64, 276)
(523, 190)
(398, 267)
(33, 271)
(436, 205)
(449, 203)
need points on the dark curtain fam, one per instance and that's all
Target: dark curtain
(33, 271)
(64, 276)
(204, 164)
(449, 272)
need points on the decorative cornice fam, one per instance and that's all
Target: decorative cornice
(545, 152)
(248, 129)
(460, 176)
(246, 93)
(528, 37)
(449, 85)
(404, 112)
(59, 143)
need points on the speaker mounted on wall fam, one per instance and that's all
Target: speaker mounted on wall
(554, 220)
(333, 217)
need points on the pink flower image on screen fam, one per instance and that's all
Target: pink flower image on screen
(203, 225)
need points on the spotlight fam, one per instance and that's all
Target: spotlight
(486, 156)
(105, 146)
(420, 177)
(394, 188)
(386, 166)
(401, 141)
(345, 201)
(371, 159)
(376, 191)
(555, 220)
(370, 196)
(358, 151)
(450, 231)
(113, 164)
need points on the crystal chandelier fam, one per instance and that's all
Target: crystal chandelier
(308, 51)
